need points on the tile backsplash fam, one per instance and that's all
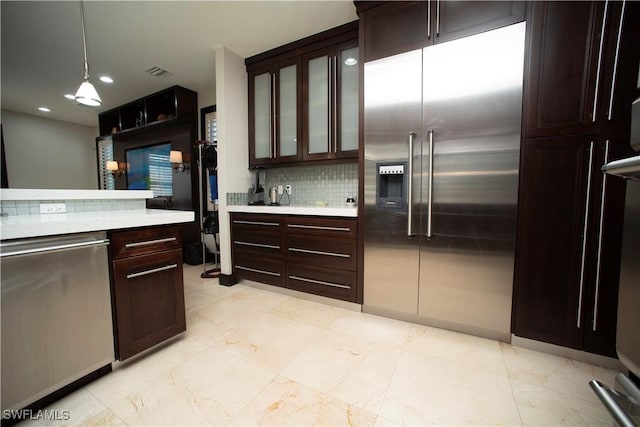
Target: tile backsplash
(32, 207)
(310, 184)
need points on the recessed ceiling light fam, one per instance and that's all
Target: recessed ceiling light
(70, 96)
(106, 79)
(45, 109)
(350, 61)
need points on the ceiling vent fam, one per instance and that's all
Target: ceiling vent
(158, 72)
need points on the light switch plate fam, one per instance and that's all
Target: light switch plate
(50, 208)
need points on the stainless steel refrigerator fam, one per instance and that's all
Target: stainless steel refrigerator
(441, 155)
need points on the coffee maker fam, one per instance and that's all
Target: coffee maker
(256, 192)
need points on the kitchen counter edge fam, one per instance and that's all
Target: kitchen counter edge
(296, 210)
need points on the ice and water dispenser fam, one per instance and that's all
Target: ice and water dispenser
(391, 185)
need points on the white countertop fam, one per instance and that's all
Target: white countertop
(55, 194)
(22, 226)
(296, 210)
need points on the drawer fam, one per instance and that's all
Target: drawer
(144, 241)
(267, 242)
(322, 251)
(326, 282)
(256, 222)
(322, 226)
(264, 270)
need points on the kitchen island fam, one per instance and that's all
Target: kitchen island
(88, 277)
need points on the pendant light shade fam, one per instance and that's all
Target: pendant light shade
(87, 93)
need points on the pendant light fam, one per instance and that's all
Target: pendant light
(86, 94)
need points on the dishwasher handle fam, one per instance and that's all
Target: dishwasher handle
(55, 248)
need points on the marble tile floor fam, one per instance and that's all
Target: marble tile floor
(254, 357)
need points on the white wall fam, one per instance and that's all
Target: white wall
(45, 153)
(233, 142)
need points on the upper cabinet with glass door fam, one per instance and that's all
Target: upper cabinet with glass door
(303, 100)
(274, 113)
(331, 80)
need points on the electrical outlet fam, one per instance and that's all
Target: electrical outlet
(280, 189)
(50, 208)
(288, 188)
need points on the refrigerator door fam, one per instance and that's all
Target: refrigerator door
(472, 101)
(392, 122)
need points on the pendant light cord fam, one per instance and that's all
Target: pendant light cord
(84, 42)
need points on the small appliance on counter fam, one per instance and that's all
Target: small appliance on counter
(256, 192)
(273, 196)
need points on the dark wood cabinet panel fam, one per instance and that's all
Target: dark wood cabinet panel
(147, 286)
(149, 300)
(394, 27)
(561, 77)
(125, 244)
(311, 254)
(550, 239)
(332, 283)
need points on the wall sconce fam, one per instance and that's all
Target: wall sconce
(175, 157)
(114, 168)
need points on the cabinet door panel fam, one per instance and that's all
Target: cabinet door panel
(457, 19)
(288, 111)
(328, 252)
(561, 79)
(348, 81)
(327, 282)
(149, 300)
(549, 259)
(262, 107)
(318, 105)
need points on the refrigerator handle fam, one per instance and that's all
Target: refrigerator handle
(410, 233)
(430, 195)
(437, 18)
(584, 235)
(428, 19)
(599, 261)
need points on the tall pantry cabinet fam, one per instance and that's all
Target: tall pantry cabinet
(580, 80)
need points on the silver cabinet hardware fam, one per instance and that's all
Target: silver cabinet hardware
(150, 242)
(319, 282)
(151, 271)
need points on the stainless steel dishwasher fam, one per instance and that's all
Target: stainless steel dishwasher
(56, 314)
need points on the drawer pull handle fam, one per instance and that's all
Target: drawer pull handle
(308, 251)
(258, 271)
(153, 270)
(319, 282)
(258, 245)
(256, 223)
(318, 227)
(150, 242)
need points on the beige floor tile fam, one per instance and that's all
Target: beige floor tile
(71, 410)
(430, 391)
(474, 352)
(374, 328)
(286, 403)
(208, 389)
(351, 369)
(105, 418)
(554, 372)
(270, 341)
(539, 406)
(309, 312)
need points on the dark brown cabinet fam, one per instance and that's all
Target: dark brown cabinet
(169, 105)
(303, 100)
(331, 93)
(390, 28)
(147, 288)
(310, 254)
(275, 113)
(575, 51)
(257, 248)
(579, 85)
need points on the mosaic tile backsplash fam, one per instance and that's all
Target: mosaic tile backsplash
(332, 184)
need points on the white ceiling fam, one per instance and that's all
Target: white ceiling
(42, 55)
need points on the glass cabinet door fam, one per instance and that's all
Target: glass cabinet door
(318, 104)
(348, 102)
(262, 115)
(288, 111)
